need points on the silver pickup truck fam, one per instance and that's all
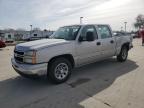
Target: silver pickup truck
(69, 47)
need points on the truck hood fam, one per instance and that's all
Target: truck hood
(38, 44)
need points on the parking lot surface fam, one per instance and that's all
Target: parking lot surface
(105, 84)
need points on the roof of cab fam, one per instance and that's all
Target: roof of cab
(84, 25)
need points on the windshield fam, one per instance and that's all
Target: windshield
(67, 33)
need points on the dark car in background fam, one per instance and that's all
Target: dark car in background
(135, 34)
(2, 44)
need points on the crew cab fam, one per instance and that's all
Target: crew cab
(69, 47)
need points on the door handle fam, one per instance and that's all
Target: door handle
(98, 43)
(111, 41)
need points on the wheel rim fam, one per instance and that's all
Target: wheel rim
(124, 53)
(61, 71)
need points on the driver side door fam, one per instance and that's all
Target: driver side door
(87, 51)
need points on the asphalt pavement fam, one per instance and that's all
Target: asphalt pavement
(105, 84)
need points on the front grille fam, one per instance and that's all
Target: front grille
(19, 59)
(18, 52)
(18, 55)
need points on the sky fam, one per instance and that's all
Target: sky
(51, 14)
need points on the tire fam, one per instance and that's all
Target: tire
(123, 54)
(59, 70)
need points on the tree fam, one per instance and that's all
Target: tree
(139, 21)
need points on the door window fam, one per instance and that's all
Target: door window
(9, 36)
(88, 29)
(104, 31)
(35, 35)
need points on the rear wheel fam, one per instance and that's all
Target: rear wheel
(59, 70)
(123, 54)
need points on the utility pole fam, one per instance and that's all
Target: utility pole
(121, 28)
(31, 27)
(125, 26)
(81, 20)
(30, 31)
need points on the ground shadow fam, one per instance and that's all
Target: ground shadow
(84, 82)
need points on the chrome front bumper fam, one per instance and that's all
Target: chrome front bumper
(30, 69)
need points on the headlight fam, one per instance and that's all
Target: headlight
(29, 53)
(30, 57)
(28, 60)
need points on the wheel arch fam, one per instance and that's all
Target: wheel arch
(126, 44)
(66, 56)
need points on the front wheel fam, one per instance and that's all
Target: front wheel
(59, 70)
(123, 54)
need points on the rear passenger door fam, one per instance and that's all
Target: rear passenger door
(107, 41)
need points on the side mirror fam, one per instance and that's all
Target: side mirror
(90, 36)
(115, 34)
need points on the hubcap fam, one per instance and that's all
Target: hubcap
(61, 71)
(124, 53)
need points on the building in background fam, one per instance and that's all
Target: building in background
(1, 35)
(9, 37)
(20, 35)
(38, 34)
(26, 36)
